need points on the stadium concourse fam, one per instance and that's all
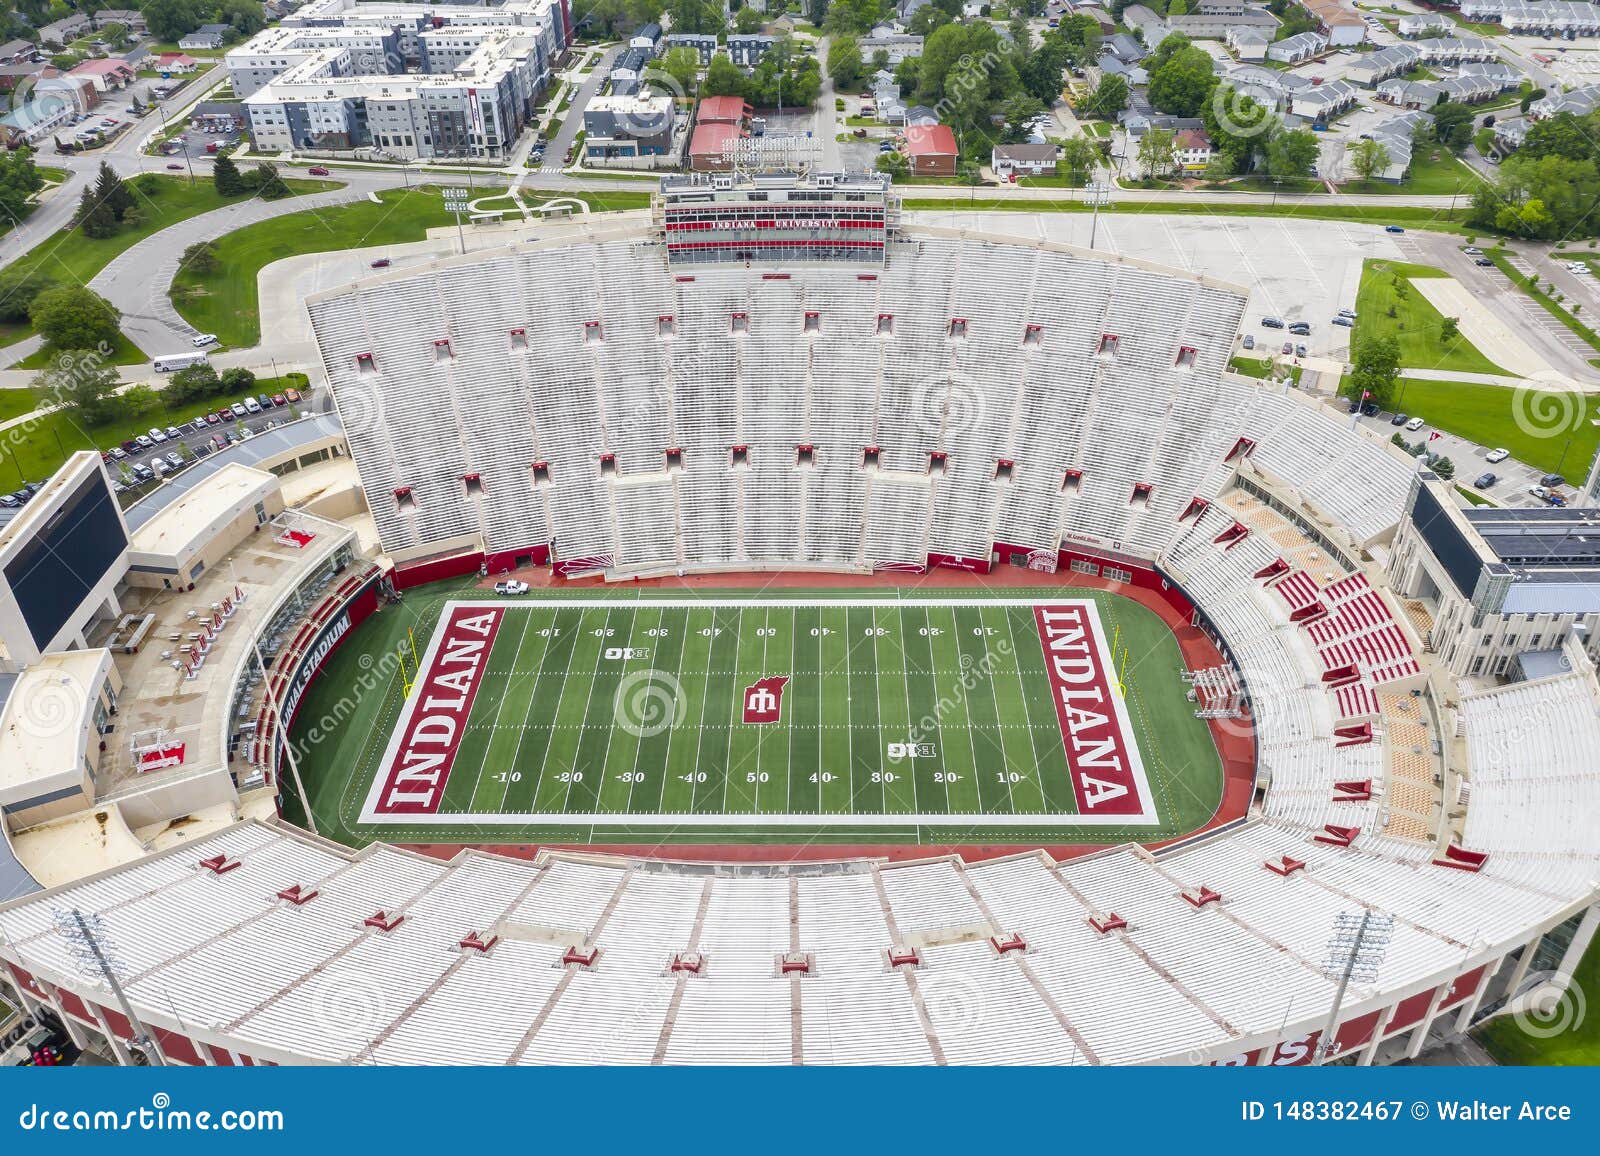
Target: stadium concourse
(951, 402)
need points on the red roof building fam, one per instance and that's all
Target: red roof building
(712, 145)
(724, 110)
(931, 148)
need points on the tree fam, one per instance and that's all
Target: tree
(1182, 86)
(200, 258)
(844, 61)
(695, 16)
(1219, 167)
(1290, 154)
(1452, 125)
(1157, 152)
(81, 383)
(19, 180)
(1177, 8)
(1370, 159)
(747, 20)
(1019, 112)
(190, 384)
(267, 182)
(1079, 157)
(895, 164)
(237, 380)
(853, 16)
(225, 177)
(1444, 467)
(680, 67)
(93, 218)
(171, 20)
(1080, 36)
(109, 190)
(723, 77)
(1375, 370)
(1449, 329)
(243, 16)
(1110, 97)
(19, 285)
(73, 317)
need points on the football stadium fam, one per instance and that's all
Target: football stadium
(766, 629)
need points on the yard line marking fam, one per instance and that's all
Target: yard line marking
(516, 665)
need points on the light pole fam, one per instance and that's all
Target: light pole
(1099, 193)
(1355, 951)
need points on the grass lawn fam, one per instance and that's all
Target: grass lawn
(1434, 171)
(1510, 1044)
(1472, 497)
(124, 352)
(225, 302)
(35, 450)
(16, 402)
(1487, 414)
(1415, 323)
(72, 258)
(12, 332)
(1260, 368)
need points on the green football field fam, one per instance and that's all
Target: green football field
(870, 717)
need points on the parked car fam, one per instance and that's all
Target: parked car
(1400, 419)
(1288, 348)
(213, 418)
(174, 461)
(119, 454)
(1300, 328)
(1369, 409)
(143, 442)
(1249, 341)
(1472, 250)
(264, 401)
(159, 467)
(238, 409)
(279, 399)
(251, 406)
(510, 588)
(1347, 322)
(199, 422)
(1393, 229)
(1347, 313)
(1484, 481)
(381, 263)
(318, 171)
(293, 395)
(9, 501)
(1552, 480)
(1484, 263)
(158, 434)
(1271, 323)
(179, 168)
(201, 340)
(1415, 424)
(174, 433)
(1498, 454)
(1300, 351)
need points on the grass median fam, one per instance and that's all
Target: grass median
(1551, 431)
(1389, 305)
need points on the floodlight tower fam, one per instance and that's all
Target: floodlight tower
(1355, 951)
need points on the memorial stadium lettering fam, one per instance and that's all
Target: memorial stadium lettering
(1102, 773)
(332, 635)
(420, 765)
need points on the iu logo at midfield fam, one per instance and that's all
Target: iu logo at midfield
(764, 700)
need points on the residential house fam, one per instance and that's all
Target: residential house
(1343, 27)
(16, 51)
(703, 43)
(895, 47)
(1373, 68)
(206, 38)
(1415, 24)
(1298, 48)
(647, 37)
(1320, 103)
(1031, 160)
(130, 18)
(1248, 43)
(177, 63)
(1396, 135)
(1404, 93)
(1193, 150)
(746, 50)
(62, 32)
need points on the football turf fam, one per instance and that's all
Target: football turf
(619, 717)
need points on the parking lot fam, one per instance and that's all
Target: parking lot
(142, 462)
(194, 142)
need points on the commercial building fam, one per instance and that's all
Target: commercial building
(931, 149)
(1504, 588)
(627, 126)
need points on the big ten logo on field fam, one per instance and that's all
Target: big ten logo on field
(763, 701)
(909, 750)
(623, 653)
